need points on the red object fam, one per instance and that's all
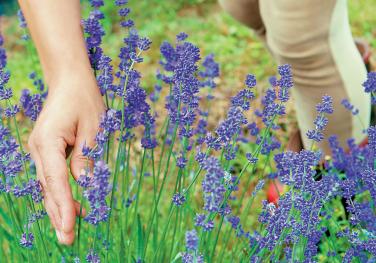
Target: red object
(275, 188)
(363, 143)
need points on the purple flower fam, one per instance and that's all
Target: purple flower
(95, 32)
(96, 3)
(27, 240)
(189, 258)
(178, 199)
(180, 64)
(253, 129)
(372, 138)
(201, 220)
(295, 169)
(347, 104)
(211, 67)
(144, 43)
(320, 122)
(181, 36)
(191, 240)
(105, 75)
(3, 56)
(242, 99)
(181, 161)
(149, 143)
(250, 81)
(123, 12)
(234, 221)
(271, 107)
(92, 257)
(231, 126)
(84, 181)
(32, 188)
(111, 121)
(5, 94)
(21, 19)
(326, 105)
(212, 185)
(10, 157)
(210, 73)
(273, 81)
(369, 180)
(96, 194)
(40, 214)
(31, 104)
(251, 158)
(370, 84)
(11, 111)
(4, 78)
(127, 23)
(258, 187)
(286, 81)
(268, 145)
(121, 2)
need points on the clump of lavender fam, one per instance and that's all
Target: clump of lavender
(96, 193)
(164, 187)
(31, 104)
(324, 107)
(191, 244)
(370, 85)
(347, 104)
(26, 240)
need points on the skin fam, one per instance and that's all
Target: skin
(72, 110)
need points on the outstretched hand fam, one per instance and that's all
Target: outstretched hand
(69, 119)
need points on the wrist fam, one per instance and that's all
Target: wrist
(75, 75)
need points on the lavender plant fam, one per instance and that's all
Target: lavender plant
(165, 187)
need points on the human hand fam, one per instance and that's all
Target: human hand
(69, 119)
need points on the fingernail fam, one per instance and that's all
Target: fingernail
(82, 172)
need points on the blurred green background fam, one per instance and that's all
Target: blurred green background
(236, 47)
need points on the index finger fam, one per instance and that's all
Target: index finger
(55, 173)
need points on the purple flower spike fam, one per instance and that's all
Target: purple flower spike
(191, 240)
(27, 240)
(96, 194)
(178, 199)
(326, 105)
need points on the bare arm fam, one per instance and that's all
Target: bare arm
(73, 108)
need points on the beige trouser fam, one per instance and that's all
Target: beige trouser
(314, 37)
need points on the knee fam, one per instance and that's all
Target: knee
(246, 12)
(298, 48)
(292, 35)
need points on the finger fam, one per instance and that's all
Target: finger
(53, 212)
(52, 155)
(80, 211)
(80, 164)
(51, 208)
(68, 150)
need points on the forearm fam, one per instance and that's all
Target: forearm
(55, 28)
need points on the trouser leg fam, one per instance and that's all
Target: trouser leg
(314, 37)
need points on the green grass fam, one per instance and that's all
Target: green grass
(236, 47)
